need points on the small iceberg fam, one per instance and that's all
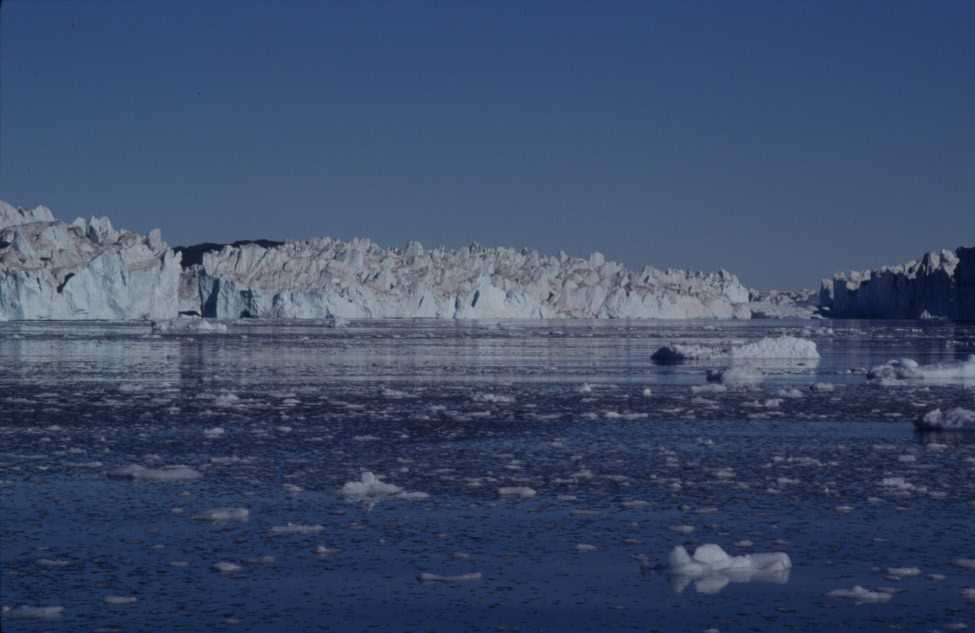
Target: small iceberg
(711, 569)
(224, 514)
(861, 595)
(177, 472)
(956, 419)
(901, 370)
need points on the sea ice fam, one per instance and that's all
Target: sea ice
(736, 376)
(517, 491)
(120, 600)
(295, 528)
(906, 369)
(369, 487)
(861, 595)
(471, 577)
(224, 514)
(25, 612)
(175, 472)
(226, 567)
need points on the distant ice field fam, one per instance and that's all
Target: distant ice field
(478, 476)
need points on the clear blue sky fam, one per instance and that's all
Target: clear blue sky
(779, 140)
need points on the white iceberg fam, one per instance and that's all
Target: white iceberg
(779, 347)
(901, 370)
(951, 420)
(736, 376)
(224, 514)
(177, 472)
(861, 595)
(711, 568)
(25, 612)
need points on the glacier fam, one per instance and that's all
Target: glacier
(83, 270)
(326, 277)
(87, 269)
(940, 285)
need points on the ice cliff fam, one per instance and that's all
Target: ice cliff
(940, 285)
(86, 269)
(357, 279)
(83, 270)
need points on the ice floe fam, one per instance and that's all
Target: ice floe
(224, 514)
(295, 528)
(951, 420)
(25, 612)
(861, 595)
(523, 492)
(176, 472)
(906, 369)
(711, 568)
(470, 577)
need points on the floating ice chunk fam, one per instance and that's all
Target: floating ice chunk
(585, 388)
(120, 600)
(951, 420)
(517, 491)
(176, 472)
(682, 529)
(226, 399)
(968, 593)
(784, 347)
(903, 572)
(672, 354)
(471, 577)
(647, 392)
(493, 398)
(224, 514)
(369, 486)
(585, 547)
(413, 496)
(25, 612)
(736, 376)
(188, 325)
(964, 563)
(905, 369)
(321, 550)
(53, 563)
(295, 528)
(861, 595)
(214, 433)
(711, 568)
(226, 567)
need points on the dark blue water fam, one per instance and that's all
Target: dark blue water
(458, 411)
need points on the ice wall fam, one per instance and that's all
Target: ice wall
(83, 270)
(359, 279)
(940, 285)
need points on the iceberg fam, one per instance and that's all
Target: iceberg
(83, 270)
(780, 348)
(940, 285)
(900, 370)
(952, 420)
(711, 569)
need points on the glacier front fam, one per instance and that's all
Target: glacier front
(326, 277)
(939, 285)
(83, 270)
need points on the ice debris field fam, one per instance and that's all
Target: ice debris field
(347, 475)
